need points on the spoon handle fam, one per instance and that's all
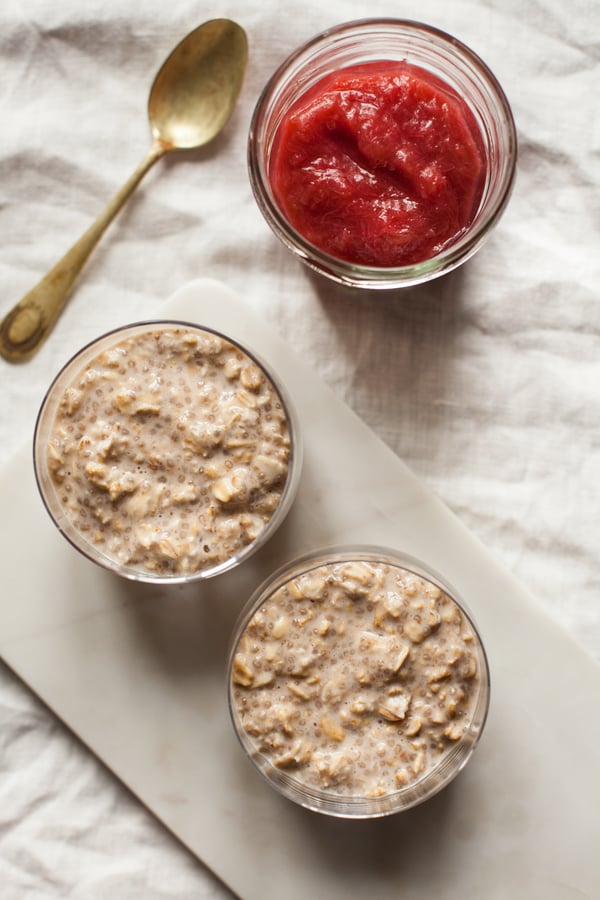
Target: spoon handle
(26, 326)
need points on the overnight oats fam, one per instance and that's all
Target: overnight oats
(166, 452)
(358, 685)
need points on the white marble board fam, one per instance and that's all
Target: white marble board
(138, 674)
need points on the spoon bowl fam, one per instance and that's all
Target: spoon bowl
(191, 100)
(196, 88)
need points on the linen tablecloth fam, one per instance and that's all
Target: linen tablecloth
(486, 382)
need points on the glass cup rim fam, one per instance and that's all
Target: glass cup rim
(380, 277)
(73, 536)
(444, 771)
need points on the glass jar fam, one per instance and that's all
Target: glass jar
(358, 683)
(145, 477)
(448, 60)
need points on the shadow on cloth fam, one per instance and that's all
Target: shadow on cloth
(400, 350)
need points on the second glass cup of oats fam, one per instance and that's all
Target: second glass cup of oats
(358, 682)
(167, 452)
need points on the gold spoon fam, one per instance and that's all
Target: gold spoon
(191, 99)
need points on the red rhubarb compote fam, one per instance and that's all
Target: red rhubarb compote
(380, 164)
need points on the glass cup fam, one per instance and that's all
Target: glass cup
(78, 504)
(448, 60)
(346, 667)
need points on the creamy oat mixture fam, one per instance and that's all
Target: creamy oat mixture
(356, 678)
(170, 450)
